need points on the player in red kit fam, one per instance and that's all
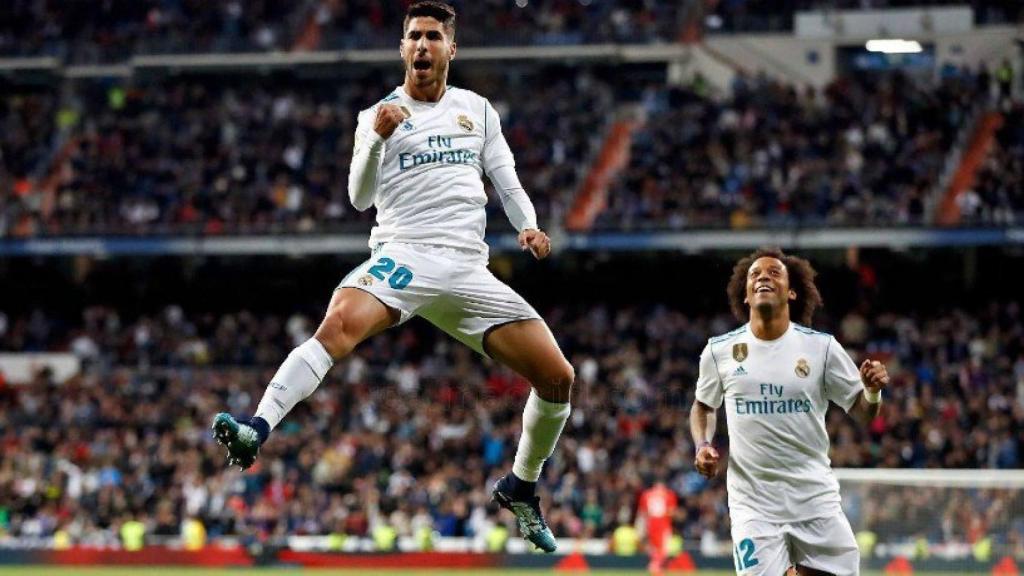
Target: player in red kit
(657, 506)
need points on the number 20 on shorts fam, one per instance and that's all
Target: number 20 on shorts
(743, 554)
(398, 278)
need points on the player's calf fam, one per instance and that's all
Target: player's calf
(543, 421)
(352, 316)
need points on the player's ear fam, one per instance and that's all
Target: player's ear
(792, 295)
(451, 51)
(401, 45)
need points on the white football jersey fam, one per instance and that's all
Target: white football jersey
(776, 394)
(429, 189)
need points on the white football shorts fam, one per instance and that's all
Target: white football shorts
(769, 549)
(449, 287)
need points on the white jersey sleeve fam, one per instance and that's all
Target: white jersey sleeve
(499, 165)
(496, 152)
(709, 383)
(842, 378)
(367, 160)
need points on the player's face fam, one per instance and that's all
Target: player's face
(768, 284)
(426, 50)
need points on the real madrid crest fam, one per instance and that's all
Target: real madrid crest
(406, 124)
(465, 123)
(803, 369)
(739, 352)
(365, 280)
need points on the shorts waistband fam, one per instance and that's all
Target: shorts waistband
(438, 249)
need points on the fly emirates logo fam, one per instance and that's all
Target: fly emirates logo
(771, 402)
(441, 152)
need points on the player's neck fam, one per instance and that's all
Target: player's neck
(431, 92)
(768, 327)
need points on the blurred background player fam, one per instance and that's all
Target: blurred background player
(419, 157)
(776, 378)
(655, 510)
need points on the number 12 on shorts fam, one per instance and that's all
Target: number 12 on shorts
(743, 554)
(385, 269)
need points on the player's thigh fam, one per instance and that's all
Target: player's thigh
(826, 545)
(403, 277)
(760, 549)
(490, 317)
(474, 304)
(353, 315)
(385, 290)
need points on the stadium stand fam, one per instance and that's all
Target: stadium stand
(77, 32)
(409, 433)
(997, 197)
(244, 156)
(866, 150)
(361, 451)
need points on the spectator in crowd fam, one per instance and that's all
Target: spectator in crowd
(864, 151)
(250, 157)
(363, 456)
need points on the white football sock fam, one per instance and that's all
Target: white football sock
(297, 378)
(542, 425)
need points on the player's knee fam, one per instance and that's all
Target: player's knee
(333, 333)
(556, 385)
(567, 377)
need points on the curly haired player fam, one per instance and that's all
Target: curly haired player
(776, 379)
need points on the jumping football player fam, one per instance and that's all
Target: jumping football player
(419, 157)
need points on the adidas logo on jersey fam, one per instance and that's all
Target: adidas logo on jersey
(740, 372)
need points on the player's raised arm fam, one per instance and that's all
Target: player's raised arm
(875, 378)
(372, 129)
(499, 165)
(703, 419)
(856, 390)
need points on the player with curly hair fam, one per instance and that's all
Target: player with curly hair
(776, 378)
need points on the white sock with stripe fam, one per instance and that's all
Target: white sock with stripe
(542, 425)
(297, 378)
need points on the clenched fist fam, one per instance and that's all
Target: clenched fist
(536, 242)
(874, 375)
(707, 461)
(388, 118)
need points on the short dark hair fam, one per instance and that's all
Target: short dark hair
(443, 13)
(801, 281)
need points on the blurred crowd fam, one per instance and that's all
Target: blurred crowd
(79, 31)
(866, 150)
(776, 15)
(84, 32)
(248, 156)
(997, 196)
(411, 430)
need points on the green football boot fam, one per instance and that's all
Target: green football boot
(531, 522)
(241, 440)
